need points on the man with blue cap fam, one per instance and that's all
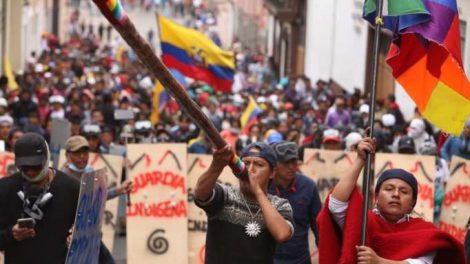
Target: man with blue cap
(244, 223)
(393, 236)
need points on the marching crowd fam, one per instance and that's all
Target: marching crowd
(86, 79)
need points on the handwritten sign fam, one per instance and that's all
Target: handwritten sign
(85, 246)
(7, 164)
(423, 168)
(113, 165)
(456, 204)
(157, 220)
(197, 219)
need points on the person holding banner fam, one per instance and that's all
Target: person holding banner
(244, 223)
(37, 206)
(302, 193)
(393, 236)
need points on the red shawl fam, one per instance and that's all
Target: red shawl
(411, 239)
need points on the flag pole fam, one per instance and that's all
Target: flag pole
(368, 169)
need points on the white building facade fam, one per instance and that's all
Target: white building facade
(338, 43)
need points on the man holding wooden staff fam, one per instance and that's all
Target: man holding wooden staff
(244, 223)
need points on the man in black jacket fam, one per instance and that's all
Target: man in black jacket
(45, 199)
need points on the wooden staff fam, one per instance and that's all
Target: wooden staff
(113, 11)
(368, 175)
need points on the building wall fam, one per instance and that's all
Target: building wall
(225, 24)
(251, 23)
(2, 31)
(464, 13)
(23, 28)
(13, 31)
(336, 42)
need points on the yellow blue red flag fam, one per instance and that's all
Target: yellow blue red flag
(12, 85)
(195, 55)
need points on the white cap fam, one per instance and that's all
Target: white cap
(331, 134)
(6, 119)
(38, 67)
(3, 102)
(351, 139)
(364, 108)
(238, 99)
(146, 83)
(261, 100)
(388, 120)
(57, 99)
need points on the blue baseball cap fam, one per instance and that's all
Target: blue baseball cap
(265, 152)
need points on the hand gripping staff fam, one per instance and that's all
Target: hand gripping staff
(113, 11)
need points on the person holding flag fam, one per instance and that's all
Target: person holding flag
(393, 235)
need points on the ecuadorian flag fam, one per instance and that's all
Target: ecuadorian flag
(195, 55)
(248, 117)
(425, 57)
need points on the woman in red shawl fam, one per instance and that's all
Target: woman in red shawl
(393, 236)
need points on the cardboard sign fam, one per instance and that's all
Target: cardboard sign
(86, 238)
(197, 219)
(456, 204)
(7, 164)
(157, 220)
(424, 170)
(60, 134)
(326, 167)
(113, 165)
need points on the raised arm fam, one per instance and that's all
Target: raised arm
(205, 183)
(275, 222)
(347, 183)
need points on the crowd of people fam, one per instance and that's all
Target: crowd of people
(87, 78)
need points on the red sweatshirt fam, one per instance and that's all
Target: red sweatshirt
(411, 239)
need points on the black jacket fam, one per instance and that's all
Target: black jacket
(49, 244)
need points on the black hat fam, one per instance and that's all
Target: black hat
(30, 150)
(406, 145)
(399, 174)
